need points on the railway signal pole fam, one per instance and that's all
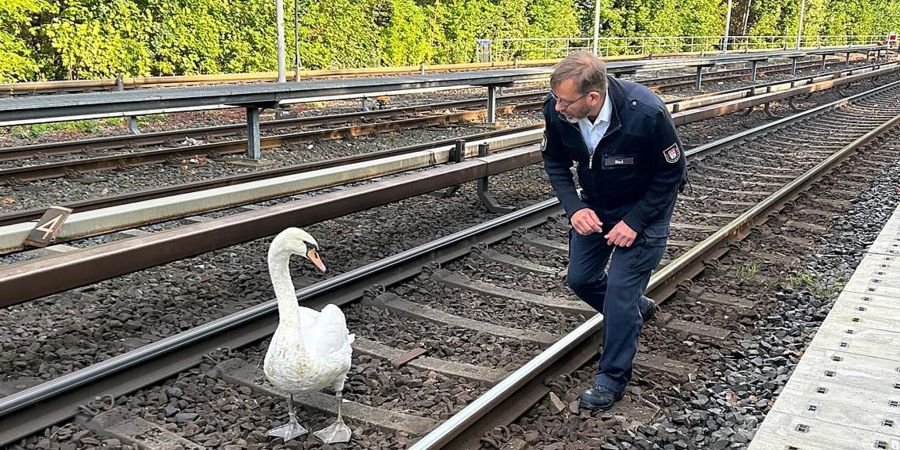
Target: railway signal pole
(800, 28)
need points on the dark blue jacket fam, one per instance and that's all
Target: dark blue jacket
(637, 168)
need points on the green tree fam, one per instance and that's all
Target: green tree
(186, 36)
(460, 23)
(248, 41)
(18, 61)
(100, 38)
(404, 33)
(60, 39)
(337, 34)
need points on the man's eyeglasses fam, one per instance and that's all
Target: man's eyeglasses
(566, 103)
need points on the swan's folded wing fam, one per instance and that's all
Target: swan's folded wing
(329, 333)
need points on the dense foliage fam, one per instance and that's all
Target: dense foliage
(80, 39)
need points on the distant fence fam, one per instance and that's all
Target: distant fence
(488, 50)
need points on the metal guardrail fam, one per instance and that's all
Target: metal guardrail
(499, 50)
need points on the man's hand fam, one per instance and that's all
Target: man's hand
(621, 235)
(585, 222)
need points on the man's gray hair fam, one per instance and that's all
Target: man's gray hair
(586, 70)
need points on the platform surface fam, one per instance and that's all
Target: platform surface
(845, 392)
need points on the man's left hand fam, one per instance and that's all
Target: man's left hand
(621, 235)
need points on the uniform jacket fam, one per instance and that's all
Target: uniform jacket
(635, 171)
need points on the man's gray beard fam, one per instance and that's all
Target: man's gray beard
(572, 120)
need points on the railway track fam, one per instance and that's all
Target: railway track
(132, 157)
(173, 137)
(491, 284)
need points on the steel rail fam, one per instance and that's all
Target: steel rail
(705, 106)
(217, 149)
(161, 137)
(105, 202)
(34, 279)
(27, 411)
(57, 400)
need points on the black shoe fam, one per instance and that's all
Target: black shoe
(647, 307)
(598, 398)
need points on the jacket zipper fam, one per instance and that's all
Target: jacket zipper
(586, 149)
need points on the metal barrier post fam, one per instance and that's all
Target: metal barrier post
(823, 61)
(484, 196)
(133, 125)
(492, 104)
(253, 147)
(699, 81)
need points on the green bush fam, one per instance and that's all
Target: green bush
(82, 39)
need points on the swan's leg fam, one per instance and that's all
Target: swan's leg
(291, 429)
(338, 431)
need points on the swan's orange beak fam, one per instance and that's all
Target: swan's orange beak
(313, 256)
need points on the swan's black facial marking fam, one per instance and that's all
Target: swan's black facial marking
(311, 245)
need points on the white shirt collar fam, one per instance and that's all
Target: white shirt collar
(604, 116)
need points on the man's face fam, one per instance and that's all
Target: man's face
(575, 105)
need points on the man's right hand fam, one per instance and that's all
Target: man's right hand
(585, 222)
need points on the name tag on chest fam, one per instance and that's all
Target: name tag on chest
(617, 162)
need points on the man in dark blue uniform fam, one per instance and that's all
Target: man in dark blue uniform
(630, 164)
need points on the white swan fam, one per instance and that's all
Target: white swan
(310, 350)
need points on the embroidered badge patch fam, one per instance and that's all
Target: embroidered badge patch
(544, 142)
(672, 154)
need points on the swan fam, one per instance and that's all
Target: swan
(310, 350)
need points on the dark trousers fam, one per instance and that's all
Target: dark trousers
(615, 293)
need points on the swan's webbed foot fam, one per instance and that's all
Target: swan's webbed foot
(335, 433)
(288, 431)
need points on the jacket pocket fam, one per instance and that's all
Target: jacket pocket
(652, 243)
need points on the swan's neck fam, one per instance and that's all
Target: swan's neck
(280, 273)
